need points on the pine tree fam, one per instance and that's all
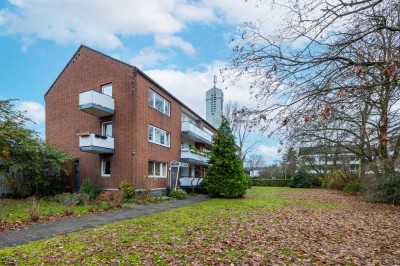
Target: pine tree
(226, 177)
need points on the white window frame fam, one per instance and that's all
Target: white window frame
(152, 103)
(103, 132)
(154, 168)
(106, 86)
(167, 136)
(103, 167)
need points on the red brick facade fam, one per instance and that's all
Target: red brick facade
(89, 70)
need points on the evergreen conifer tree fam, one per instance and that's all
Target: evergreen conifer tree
(226, 177)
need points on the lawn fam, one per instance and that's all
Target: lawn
(14, 213)
(268, 226)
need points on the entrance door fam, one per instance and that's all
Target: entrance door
(76, 175)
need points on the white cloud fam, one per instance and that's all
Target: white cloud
(173, 41)
(103, 23)
(190, 86)
(147, 57)
(34, 110)
(270, 153)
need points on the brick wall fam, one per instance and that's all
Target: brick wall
(64, 121)
(90, 70)
(145, 150)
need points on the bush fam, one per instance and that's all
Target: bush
(352, 187)
(90, 188)
(114, 198)
(178, 194)
(271, 182)
(384, 190)
(69, 201)
(302, 179)
(127, 189)
(337, 180)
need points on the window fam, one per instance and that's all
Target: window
(159, 103)
(159, 136)
(105, 167)
(157, 169)
(107, 89)
(106, 129)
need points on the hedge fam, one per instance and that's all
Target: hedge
(271, 182)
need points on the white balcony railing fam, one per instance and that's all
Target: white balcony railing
(95, 143)
(193, 156)
(96, 103)
(196, 133)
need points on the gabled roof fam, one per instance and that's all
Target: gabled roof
(134, 69)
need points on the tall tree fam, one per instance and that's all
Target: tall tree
(31, 166)
(331, 71)
(242, 128)
(225, 177)
(289, 161)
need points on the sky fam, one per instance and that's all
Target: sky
(181, 44)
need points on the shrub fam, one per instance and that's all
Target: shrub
(114, 198)
(34, 213)
(226, 177)
(127, 189)
(271, 182)
(385, 189)
(69, 201)
(302, 179)
(337, 180)
(178, 194)
(352, 187)
(91, 188)
(84, 199)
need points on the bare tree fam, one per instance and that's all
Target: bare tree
(255, 161)
(242, 128)
(330, 75)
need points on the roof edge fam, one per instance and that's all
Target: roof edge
(135, 69)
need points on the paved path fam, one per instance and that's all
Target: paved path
(75, 224)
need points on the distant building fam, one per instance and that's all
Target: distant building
(323, 159)
(214, 105)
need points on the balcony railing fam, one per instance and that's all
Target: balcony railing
(95, 143)
(190, 182)
(195, 157)
(96, 103)
(195, 133)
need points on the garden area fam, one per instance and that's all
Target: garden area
(20, 213)
(267, 226)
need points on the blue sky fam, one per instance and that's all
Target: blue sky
(179, 43)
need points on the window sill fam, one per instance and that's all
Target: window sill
(105, 175)
(167, 146)
(157, 176)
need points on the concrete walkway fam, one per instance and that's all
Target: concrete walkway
(75, 224)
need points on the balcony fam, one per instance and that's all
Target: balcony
(95, 143)
(195, 157)
(96, 103)
(196, 134)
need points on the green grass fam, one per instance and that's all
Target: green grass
(17, 210)
(217, 231)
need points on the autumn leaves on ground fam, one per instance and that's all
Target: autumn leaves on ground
(268, 226)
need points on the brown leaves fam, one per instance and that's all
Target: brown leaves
(316, 227)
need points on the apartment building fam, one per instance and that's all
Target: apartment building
(119, 124)
(323, 159)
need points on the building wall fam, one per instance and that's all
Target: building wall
(64, 121)
(89, 70)
(146, 150)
